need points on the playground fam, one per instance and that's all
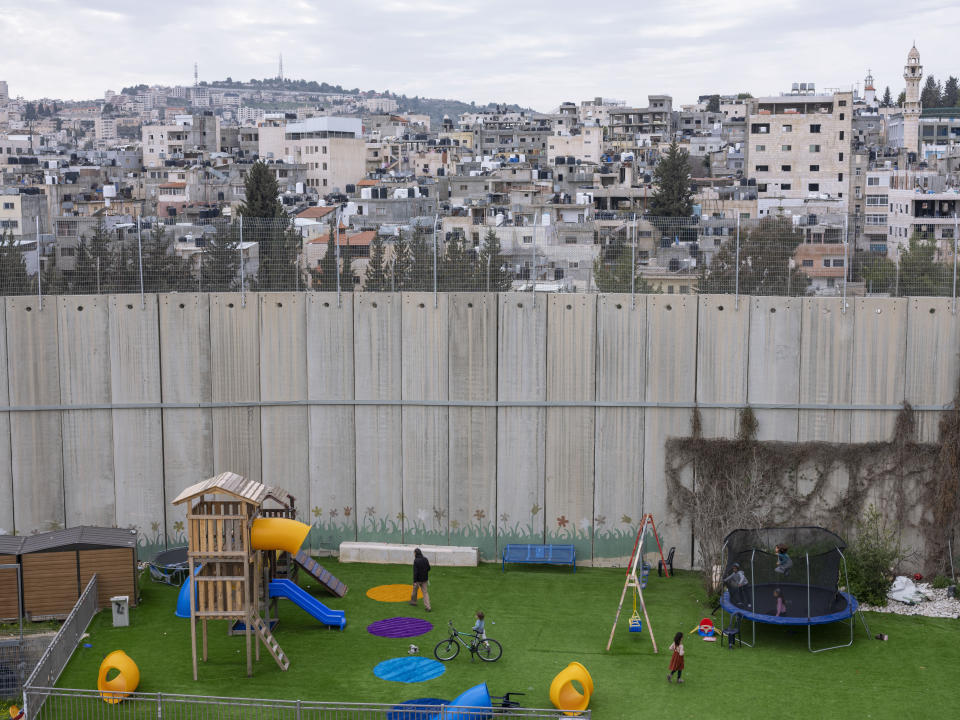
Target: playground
(545, 617)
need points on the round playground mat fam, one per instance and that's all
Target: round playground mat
(409, 669)
(392, 593)
(425, 711)
(399, 627)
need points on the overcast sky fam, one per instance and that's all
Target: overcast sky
(532, 53)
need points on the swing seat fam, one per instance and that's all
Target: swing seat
(636, 624)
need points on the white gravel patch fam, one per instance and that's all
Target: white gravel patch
(940, 607)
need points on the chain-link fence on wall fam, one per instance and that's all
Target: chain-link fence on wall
(828, 255)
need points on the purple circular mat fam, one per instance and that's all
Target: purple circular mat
(400, 627)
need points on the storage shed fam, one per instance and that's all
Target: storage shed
(56, 567)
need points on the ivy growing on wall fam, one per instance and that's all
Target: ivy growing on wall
(721, 484)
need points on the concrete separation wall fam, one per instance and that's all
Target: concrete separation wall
(468, 420)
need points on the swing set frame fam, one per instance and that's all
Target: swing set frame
(633, 581)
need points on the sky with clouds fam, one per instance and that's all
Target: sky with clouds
(537, 54)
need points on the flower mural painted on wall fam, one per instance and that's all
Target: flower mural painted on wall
(333, 512)
(584, 524)
(439, 514)
(535, 509)
(626, 520)
(317, 511)
(562, 521)
(178, 526)
(479, 514)
(504, 518)
(401, 517)
(370, 511)
(454, 524)
(600, 520)
(155, 526)
(347, 510)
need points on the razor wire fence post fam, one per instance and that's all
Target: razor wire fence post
(435, 260)
(143, 300)
(846, 254)
(633, 264)
(243, 293)
(953, 308)
(736, 271)
(336, 248)
(39, 274)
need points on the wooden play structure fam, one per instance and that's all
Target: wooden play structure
(243, 553)
(226, 569)
(632, 581)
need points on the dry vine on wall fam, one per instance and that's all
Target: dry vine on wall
(721, 484)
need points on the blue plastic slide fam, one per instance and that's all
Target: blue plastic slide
(476, 697)
(183, 600)
(305, 601)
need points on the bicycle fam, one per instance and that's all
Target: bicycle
(488, 649)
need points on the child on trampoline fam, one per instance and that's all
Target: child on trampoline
(784, 563)
(676, 660)
(781, 605)
(737, 581)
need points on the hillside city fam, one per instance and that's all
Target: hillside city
(847, 184)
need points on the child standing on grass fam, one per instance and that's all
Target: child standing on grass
(479, 627)
(676, 660)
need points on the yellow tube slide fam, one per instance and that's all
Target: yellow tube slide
(128, 677)
(564, 695)
(278, 534)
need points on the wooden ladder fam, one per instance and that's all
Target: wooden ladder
(263, 632)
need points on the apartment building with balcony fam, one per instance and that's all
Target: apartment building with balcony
(799, 145)
(929, 215)
(332, 148)
(188, 135)
(657, 119)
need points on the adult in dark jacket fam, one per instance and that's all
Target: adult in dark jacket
(421, 578)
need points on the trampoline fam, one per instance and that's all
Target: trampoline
(169, 566)
(809, 586)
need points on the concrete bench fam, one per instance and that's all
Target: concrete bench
(395, 554)
(539, 555)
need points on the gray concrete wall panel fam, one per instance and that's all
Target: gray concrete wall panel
(377, 347)
(472, 370)
(185, 378)
(35, 437)
(425, 430)
(571, 375)
(618, 455)
(137, 432)
(880, 330)
(7, 509)
(774, 372)
(88, 479)
(235, 377)
(284, 432)
(521, 431)
(671, 368)
(330, 362)
(932, 362)
(723, 341)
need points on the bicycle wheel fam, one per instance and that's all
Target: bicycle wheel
(489, 650)
(446, 649)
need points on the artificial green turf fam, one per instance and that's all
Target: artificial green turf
(546, 617)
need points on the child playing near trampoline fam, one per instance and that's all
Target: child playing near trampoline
(737, 581)
(781, 605)
(676, 660)
(784, 563)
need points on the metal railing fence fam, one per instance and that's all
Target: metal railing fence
(88, 705)
(794, 255)
(58, 654)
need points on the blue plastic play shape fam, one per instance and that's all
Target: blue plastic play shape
(183, 599)
(419, 709)
(409, 669)
(476, 697)
(307, 602)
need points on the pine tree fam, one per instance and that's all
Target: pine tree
(764, 269)
(457, 271)
(219, 263)
(930, 95)
(163, 269)
(674, 196)
(951, 93)
(901, 98)
(494, 269)
(421, 263)
(401, 264)
(94, 260)
(325, 274)
(615, 275)
(266, 222)
(920, 271)
(375, 279)
(14, 279)
(346, 269)
(887, 98)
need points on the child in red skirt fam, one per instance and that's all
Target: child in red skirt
(676, 660)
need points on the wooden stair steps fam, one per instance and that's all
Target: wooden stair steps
(269, 641)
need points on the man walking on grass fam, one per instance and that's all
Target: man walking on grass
(421, 575)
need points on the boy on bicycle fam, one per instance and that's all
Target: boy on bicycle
(479, 628)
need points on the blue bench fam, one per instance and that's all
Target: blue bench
(539, 555)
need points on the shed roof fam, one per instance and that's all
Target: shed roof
(75, 537)
(228, 483)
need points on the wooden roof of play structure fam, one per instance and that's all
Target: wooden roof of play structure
(227, 483)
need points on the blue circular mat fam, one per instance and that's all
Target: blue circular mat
(426, 709)
(409, 669)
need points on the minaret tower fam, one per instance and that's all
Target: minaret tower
(869, 91)
(912, 73)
